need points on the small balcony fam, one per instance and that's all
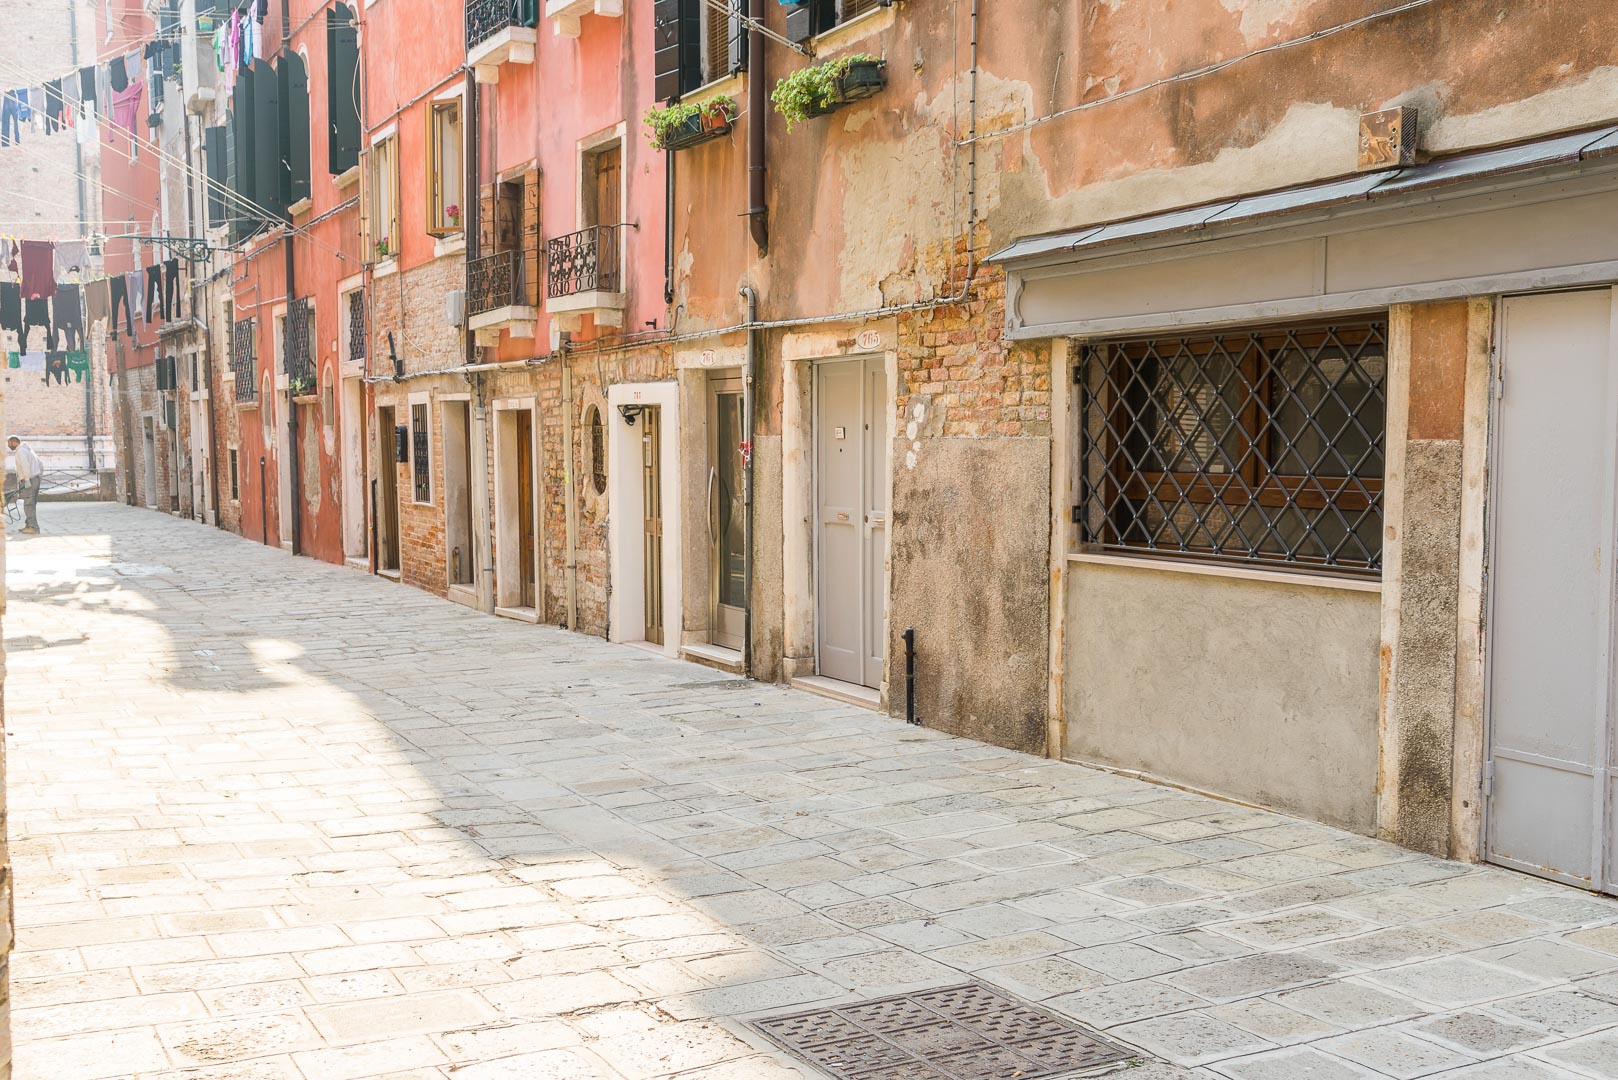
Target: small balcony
(565, 14)
(584, 276)
(499, 32)
(496, 299)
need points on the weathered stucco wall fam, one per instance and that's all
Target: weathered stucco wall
(968, 558)
(1260, 691)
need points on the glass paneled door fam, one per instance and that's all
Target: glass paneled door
(727, 538)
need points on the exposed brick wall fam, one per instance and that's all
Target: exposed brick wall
(958, 357)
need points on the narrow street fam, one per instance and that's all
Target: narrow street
(275, 819)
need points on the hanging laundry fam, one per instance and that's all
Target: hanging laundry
(11, 306)
(31, 361)
(78, 362)
(134, 279)
(97, 302)
(104, 88)
(134, 65)
(54, 106)
(118, 293)
(55, 367)
(88, 129)
(154, 294)
(126, 106)
(36, 313)
(71, 258)
(67, 316)
(171, 289)
(38, 270)
(219, 47)
(11, 118)
(87, 84)
(13, 359)
(118, 73)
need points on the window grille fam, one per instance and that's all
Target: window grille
(298, 348)
(356, 325)
(242, 360)
(420, 439)
(1260, 446)
(598, 452)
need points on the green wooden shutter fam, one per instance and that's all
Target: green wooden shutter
(267, 169)
(667, 54)
(214, 152)
(342, 91)
(294, 128)
(244, 176)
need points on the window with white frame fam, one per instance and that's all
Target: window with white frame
(444, 167)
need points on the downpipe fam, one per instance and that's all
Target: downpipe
(910, 675)
(747, 480)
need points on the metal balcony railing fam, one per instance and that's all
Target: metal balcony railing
(495, 281)
(486, 18)
(585, 261)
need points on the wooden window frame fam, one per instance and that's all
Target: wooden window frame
(438, 224)
(382, 222)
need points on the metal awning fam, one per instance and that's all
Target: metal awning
(1369, 188)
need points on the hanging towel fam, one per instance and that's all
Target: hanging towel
(38, 270)
(32, 361)
(135, 278)
(88, 129)
(97, 301)
(134, 66)
(13, 359)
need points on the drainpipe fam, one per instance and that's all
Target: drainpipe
(747, 476)
(757, 109)
(572, 496)
(668, 226)
(471, 213)
(294, 469)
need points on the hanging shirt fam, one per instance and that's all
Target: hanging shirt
(38, 270)
(71, 259)
(126, 106)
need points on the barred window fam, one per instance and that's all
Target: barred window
(420, 454)
(1256, 446)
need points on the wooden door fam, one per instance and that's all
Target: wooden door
(608, 186)
(527, 528)
(652, 497)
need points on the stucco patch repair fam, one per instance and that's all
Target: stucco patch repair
(1580, 103)
(1258, 17)
(918, 413)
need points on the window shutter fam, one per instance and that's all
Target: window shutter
(233, 210)
(367, 237)
(667, 51)
(294, 128)
(213, 149)
(800, 23)
(267, 168)
(342, 91)
(243, 178)
(738, 37)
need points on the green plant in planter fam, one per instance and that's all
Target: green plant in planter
(812, 91)
(302, 386)
(664, 124)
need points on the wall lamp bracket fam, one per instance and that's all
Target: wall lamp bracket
(631, 413)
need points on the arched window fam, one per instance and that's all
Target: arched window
(598, 451)
(328, 401)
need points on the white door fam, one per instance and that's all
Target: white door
(851, 468)
(352, 426)
(1551, 799)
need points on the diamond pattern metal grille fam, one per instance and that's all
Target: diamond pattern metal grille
(356, 324)
(296, 350)
(242, 360)
(1255, 446)
(966, 1032)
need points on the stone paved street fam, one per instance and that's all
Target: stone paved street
(274, 819)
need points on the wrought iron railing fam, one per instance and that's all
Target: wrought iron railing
(296, 347)
(584, 261)
(494, 281)
(243, 361)
(486, 18)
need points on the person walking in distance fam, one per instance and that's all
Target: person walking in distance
(29, 474)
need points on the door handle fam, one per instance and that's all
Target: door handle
(713, 526)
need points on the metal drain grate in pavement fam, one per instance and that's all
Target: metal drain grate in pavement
(965, 1032)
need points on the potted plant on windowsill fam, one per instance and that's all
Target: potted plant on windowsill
(382, 248)
(686, 124)
(820, 88)
(302, 387)
(453, 213)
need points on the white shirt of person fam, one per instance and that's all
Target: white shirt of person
(28, 466)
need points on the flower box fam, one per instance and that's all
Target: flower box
(862, 79)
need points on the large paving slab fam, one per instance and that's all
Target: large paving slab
(277, 820)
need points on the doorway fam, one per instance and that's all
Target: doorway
(387, 492)
(651, 449)
(516, 517)
(727, 554)
(457, 435)
(149, 453)
(1550, 781)
(851, 518)
(352, 424)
